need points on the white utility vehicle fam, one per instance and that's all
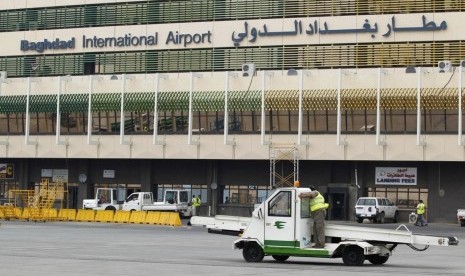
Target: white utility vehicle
(105, 199)
(282, 227)
(174, 200)
(461, 217)
(376, 209)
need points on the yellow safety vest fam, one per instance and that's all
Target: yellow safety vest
(196, 202)
(318, 203)
(420, 208)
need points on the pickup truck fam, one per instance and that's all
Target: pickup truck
(173, 200)
(461, 217)
(105, 199)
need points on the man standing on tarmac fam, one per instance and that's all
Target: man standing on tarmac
(196, 202)
(318, 209)
(421, 214)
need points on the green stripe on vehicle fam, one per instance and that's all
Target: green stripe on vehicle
(282, 243)
(309, 252)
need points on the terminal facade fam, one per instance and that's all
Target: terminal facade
(201, 95)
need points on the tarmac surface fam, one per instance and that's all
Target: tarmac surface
(70, 248)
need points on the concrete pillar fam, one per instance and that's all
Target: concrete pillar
(212, 180)
(146, 175)
(83, 190)
(22, 170)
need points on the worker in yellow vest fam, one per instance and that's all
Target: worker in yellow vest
(196, 202)
(421, 208)
(318, 210)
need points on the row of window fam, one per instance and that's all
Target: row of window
(193, 190)
(279, 122)
(407, 198)
(361, 55)
(155, 12)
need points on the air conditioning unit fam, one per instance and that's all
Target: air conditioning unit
(34, 66)
(248, 69)
(3, 75)
(444, 66)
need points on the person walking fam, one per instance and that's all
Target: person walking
(421, 214)
(318, 210)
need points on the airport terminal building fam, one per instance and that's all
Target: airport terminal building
(228, 98)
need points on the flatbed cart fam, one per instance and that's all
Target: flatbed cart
(282, 227)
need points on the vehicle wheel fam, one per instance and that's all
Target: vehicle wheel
(396, 217)
(111, 208)
(359, 220)
(462, 223)
(377, 259)
(280, 258)
(252, 253)
(353, 256)
(381, 218)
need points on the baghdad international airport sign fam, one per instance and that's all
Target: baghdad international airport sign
(395, 176)
(259, 32)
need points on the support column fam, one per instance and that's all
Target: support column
(84, 187)
(22, 170)
(146, 176)
(212, 180)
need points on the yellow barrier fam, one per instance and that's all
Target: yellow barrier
(121, 217)
(164, 218)
(50, 214)
(141, 217)
(152, 218)
(104, 215)
(37, 214)
(67, 215)
(85, 215)
(10, 212)
(138, 217)
(26, 214)
(174, 219)
(17, 212)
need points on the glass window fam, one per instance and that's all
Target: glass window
(241, 194)
(305, 208)
(366, 202)
(406, 198)
(5, 190)
(197, 190)
(280, 205)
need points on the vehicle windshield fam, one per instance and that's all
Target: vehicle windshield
(366, 201)
(183, 197)
(170, 197)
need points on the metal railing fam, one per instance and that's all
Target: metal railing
(283, 57)
(156, 12)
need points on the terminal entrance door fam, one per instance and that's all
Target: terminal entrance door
(338, 203)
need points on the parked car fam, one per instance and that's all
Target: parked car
(376, 209)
